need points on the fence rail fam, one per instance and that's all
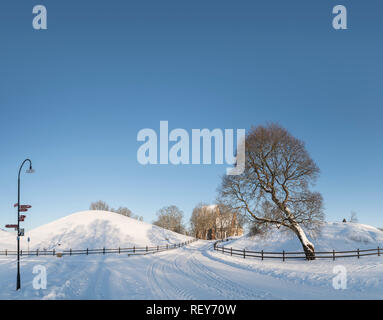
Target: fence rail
(71, 252)
(284, 255)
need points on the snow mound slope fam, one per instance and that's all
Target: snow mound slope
(99, 229)
(7, 239)
(334, 235)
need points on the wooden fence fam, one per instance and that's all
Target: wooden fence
(295, 255)
(71, 252)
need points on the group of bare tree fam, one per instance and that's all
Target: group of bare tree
(353, 217)
(274, 189)
(103, 206)
(171, 218)
(215, 222)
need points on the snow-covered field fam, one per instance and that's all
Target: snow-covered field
(192, 272)
(336, 236)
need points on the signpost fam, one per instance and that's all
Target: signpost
(20, 208)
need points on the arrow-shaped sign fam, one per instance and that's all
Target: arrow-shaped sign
(23, 206)
(11, 226)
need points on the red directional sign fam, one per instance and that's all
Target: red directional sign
(23, 206)
(22, 217)
(11, 225)
(23, 210)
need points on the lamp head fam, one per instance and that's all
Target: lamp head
(30, 170)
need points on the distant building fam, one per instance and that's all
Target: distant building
(224, 224)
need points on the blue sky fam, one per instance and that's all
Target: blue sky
(73, 97)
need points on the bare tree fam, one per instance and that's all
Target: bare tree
(123, 211)
(170, 218)
(353, 217)
(103, 206)
(99, 206)
(202, 221)
(228, 222)
(278, 174)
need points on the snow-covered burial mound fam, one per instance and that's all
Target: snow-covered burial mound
(98, 229)
(338, 236)
(7, 239)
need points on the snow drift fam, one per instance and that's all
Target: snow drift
(334, 235)
(97, 229)
(7, 239)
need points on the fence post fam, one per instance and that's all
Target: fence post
(37, 252)
(70, 251)
(119, 250)
(333, 255)
(103, 250)
(378, 252)
(231, 251)
(358, 253)
(244, 253)
(54, 251)
(262, 254)
(283, 255)
(158, 248)
(146, 248)
(6, 251)
(134, 249)
(21, 252)
(87, 251)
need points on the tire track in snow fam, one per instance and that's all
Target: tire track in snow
(189, 265)
(161, 285)
(236, 291)
(199, 262)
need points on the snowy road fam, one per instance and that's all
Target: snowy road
(191, 272)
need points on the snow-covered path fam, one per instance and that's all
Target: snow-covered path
(191, 272)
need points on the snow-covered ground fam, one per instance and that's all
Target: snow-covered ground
(191, 272)
(336, 236)
(195, 271)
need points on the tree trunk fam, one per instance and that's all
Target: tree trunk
(308, 247)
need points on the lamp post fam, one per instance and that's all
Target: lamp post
(30, 170)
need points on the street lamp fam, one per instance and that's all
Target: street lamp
(30, 170)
